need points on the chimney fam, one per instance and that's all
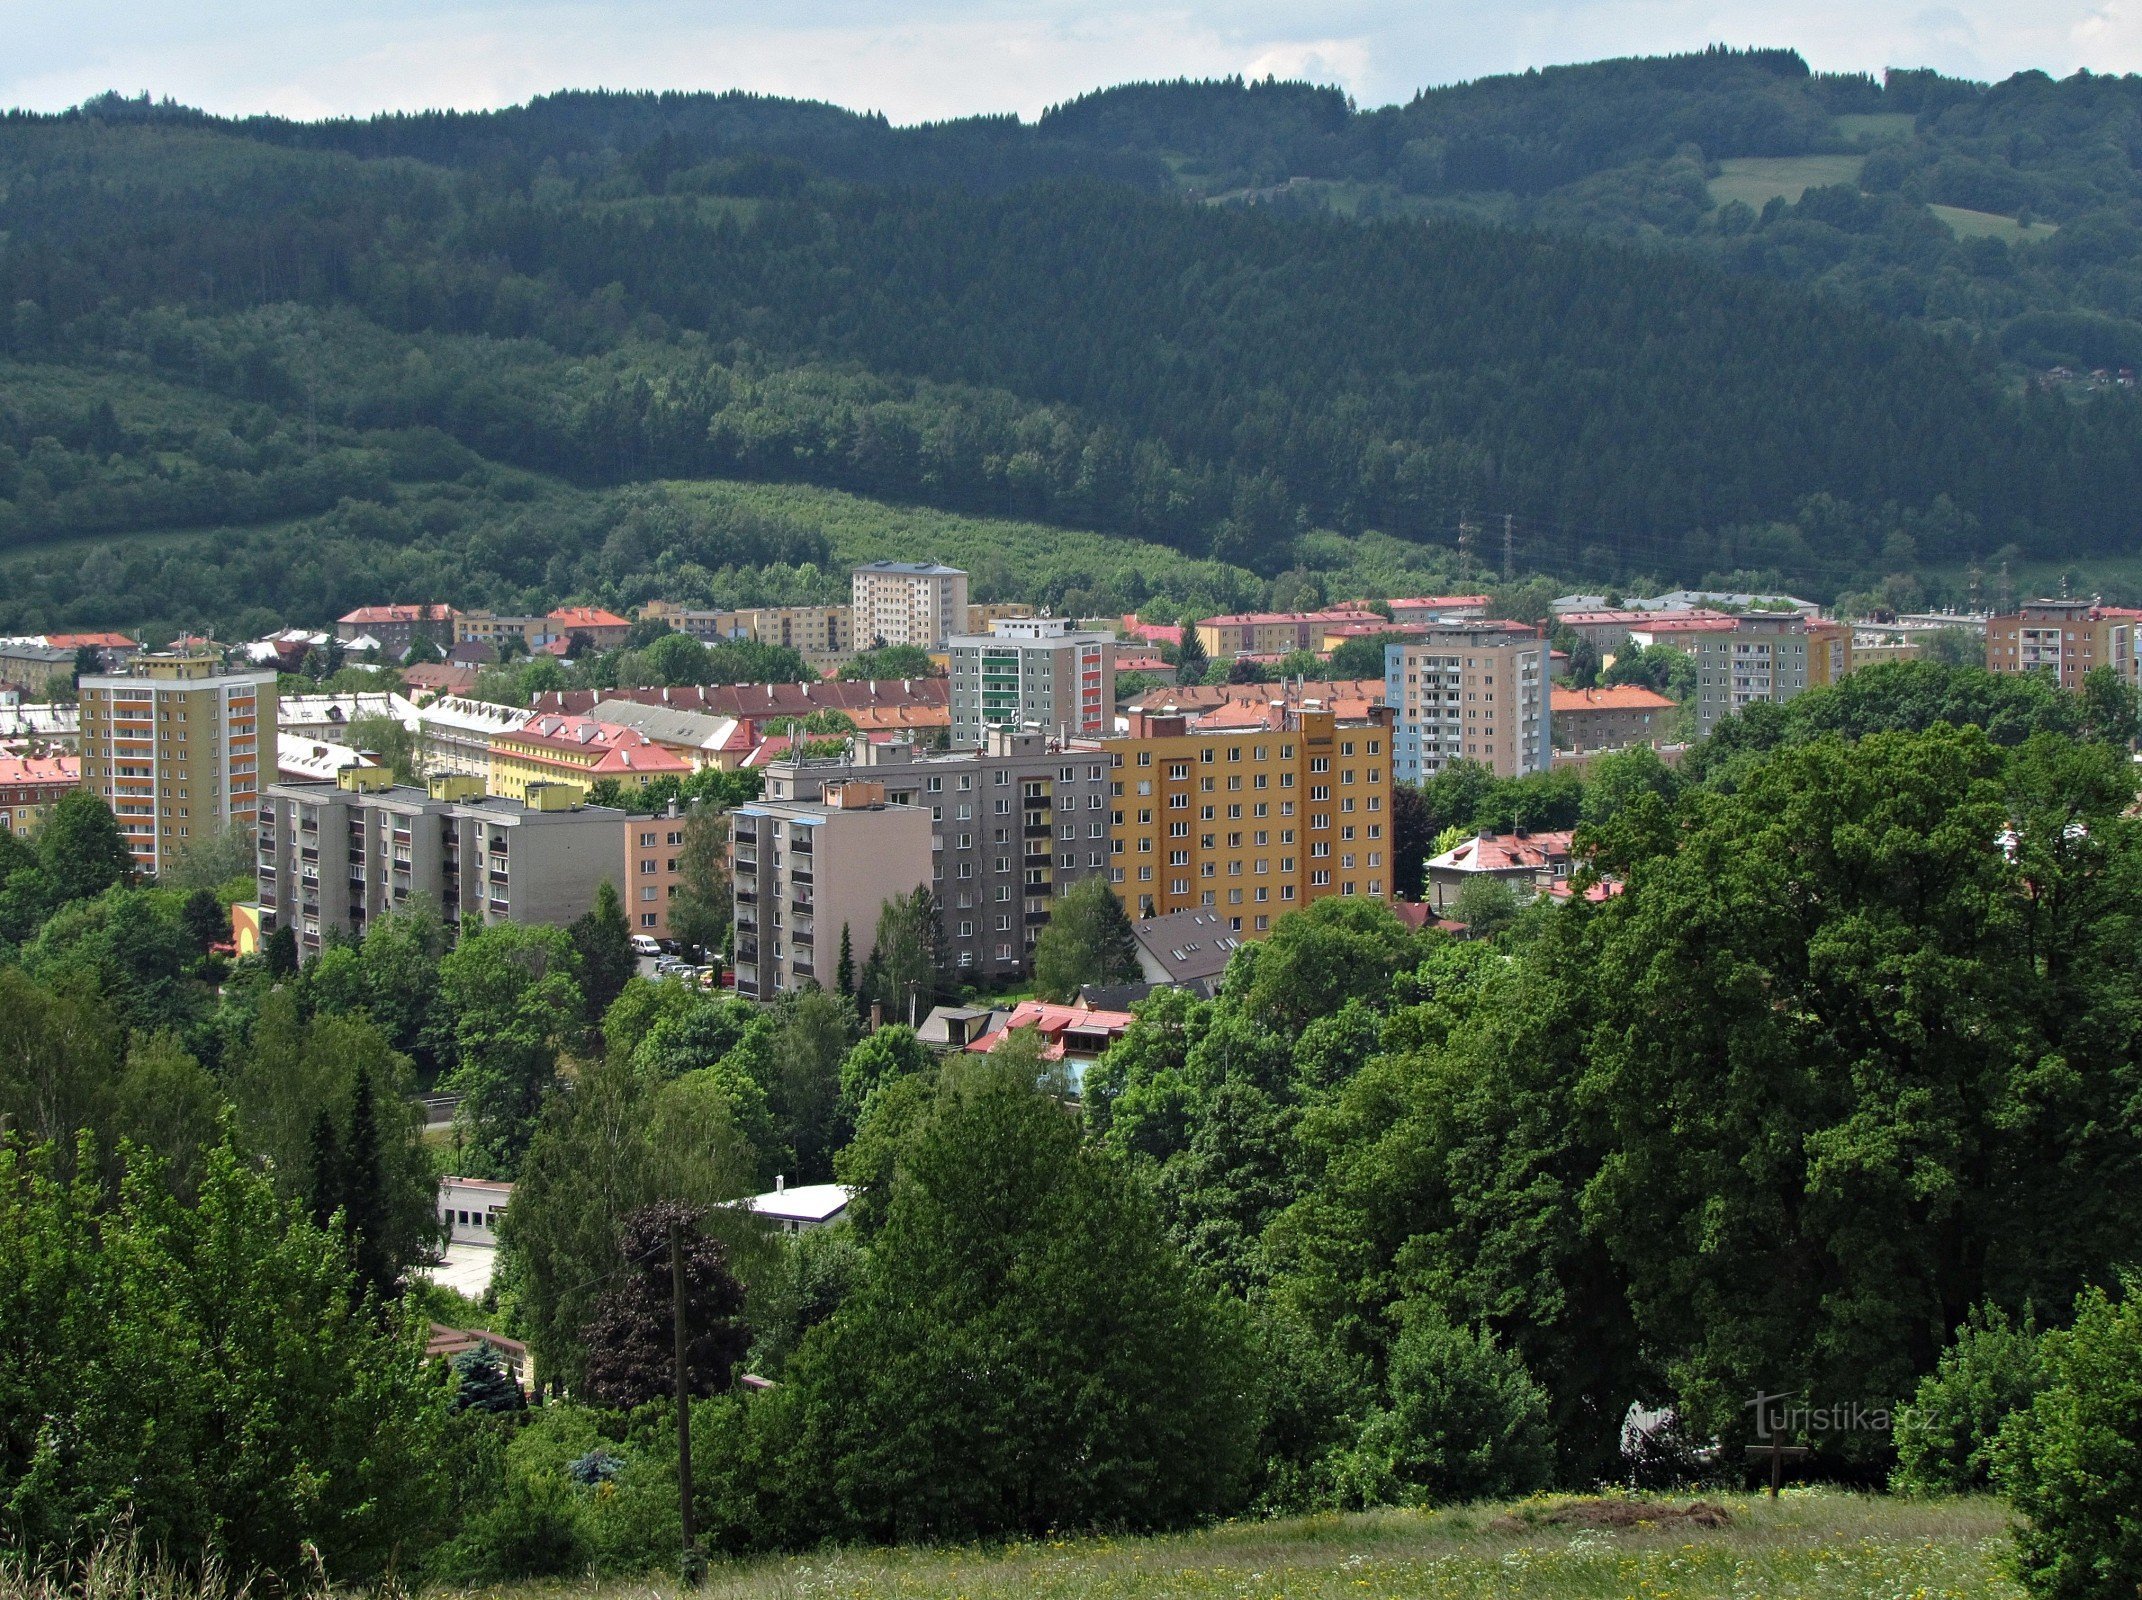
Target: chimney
(877, 1015)
(780, 1183)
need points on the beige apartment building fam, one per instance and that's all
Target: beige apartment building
(2067, 638)
(1469, 691)
(908, 602)
(822, 635)
(1763, 658)
(805, 869)
(176, 746)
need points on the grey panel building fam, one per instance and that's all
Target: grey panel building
(1012, 825)
(342, 854)
(1032, 672)
(1763, 658)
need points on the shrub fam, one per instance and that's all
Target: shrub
(2072, 1462)
(1945, 1435)
(1464, 1421)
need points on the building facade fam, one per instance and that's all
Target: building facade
(908, 602)
(1032, 672)
(1469, 691)
(1763, 658)
(341, 855)
(1249, 823)
(2066, 638)
(30, 786)
(579, 751)
(1831, 653)
(396, 627)
(179, 748)
(1276, 633)
(454, 734)
(1614, 718)
(1012, 826)
(654, 847)
(805, 869)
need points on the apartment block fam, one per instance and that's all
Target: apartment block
(342, 854)
(1615, 718)
(1763, 657)
(30, 786)
(1830, 653)
(908, 602)
(1012, 825)
(179, 747)
(1469, 691)
(2067, 638)
(396, 627)
(1032, 672)
(454, 734)
(1275, 633)
(805, 869)
(654, 847)
(1249, 823)
(578, 751)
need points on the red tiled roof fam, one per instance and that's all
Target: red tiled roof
(764, 699)
(399, 613)
(1054, 1021)
(103, 641)
(622, 749)
(1621, 697)
(1152, 632)
(1603, 889)
(1330, 614)
(1506, 852)
(40, 771)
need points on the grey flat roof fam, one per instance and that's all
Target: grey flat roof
(913, 569)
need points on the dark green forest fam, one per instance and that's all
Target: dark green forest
(419, 334)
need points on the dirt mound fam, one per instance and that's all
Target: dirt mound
(1615, 1514)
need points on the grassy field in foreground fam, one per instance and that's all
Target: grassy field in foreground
(1811, 1545)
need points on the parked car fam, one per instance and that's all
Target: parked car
(646, 944)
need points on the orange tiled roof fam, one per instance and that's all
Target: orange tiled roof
(1506, 852)
(1621, 697)
(586, 617)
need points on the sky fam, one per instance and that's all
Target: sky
(928, 59)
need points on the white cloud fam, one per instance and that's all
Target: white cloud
(941, 58)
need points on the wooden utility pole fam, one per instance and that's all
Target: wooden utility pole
(693, 1571)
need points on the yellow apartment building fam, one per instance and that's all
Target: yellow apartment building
(1249, 823)
(175, 745)
(579, 751)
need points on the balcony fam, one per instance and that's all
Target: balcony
(747, 897)
(803, 936)
(1038, 830)
(799, 876)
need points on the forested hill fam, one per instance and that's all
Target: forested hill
(211, 324)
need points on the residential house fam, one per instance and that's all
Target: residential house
(578, 751)
(1528, 861)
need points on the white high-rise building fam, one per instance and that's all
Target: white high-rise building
(908, 602)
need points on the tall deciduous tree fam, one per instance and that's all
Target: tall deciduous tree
(909, 964)
(514, 996)
(602, 939)
(81, 849)
(699, 915)
(1088, 940)
(1119, 1390)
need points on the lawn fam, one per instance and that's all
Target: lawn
(1875, 124)
(1756, 180)
(1811, 1545)
(1992, 225)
